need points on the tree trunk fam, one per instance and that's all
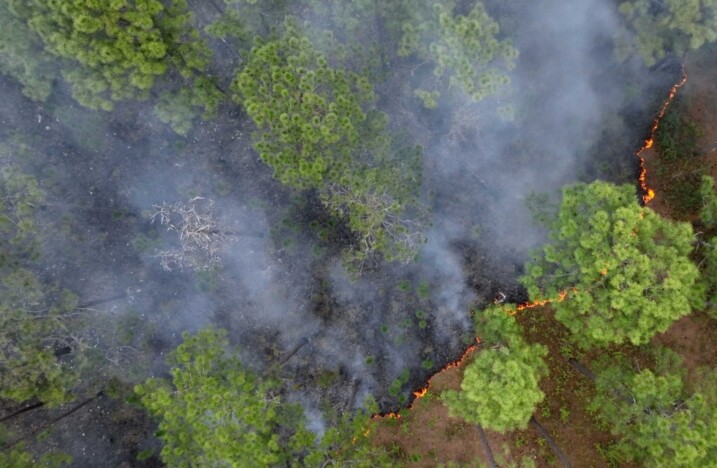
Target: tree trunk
(553, 445)
(302, 342)
(102, 301)
(589, 374)
(27, 408)
(486, 447)
(49, 423)
(582, 369)
(352, 397)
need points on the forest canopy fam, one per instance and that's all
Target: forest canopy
(249, 233)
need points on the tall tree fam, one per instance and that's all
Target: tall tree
(214, 411)
(348, 441)
(22, 58)
(318, 129)
(660, 27)
(500, 389)
(115, 50)
(38, 323)
(660, 422)
(462, 49)
(624, 271)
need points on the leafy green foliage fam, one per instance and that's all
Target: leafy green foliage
(34, 323)
(308, 111)
(659, 421)
(214, 411)
(21, 56)
(35, 320)
(676, 137)
(666, 26)
(708, 261)
(19, 196)
(465, 49)
(180, 108)
(347, 441)
(318, 130)
(676, 145)
(624, 270)
(118, 49)
(21, 458)
(500, 389)
(230, 24)
(708, 211)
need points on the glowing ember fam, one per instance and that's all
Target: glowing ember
(647, 193)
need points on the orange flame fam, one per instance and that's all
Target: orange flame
(647, 193)
(422, 392)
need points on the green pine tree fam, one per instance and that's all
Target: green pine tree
(318, 128)
(624, 271)
(112, 50)
(214, 411)
(660, 27)
(500, 389)
(660, 422)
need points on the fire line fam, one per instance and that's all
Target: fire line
(647, 193)
(422, 392)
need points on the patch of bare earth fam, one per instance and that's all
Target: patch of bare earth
(426, 436)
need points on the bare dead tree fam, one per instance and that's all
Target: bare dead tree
(376, 218)
(465, 122)
(202, 238)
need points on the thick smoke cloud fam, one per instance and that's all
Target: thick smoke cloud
(272, 289)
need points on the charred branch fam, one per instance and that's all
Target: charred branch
(95, 302)
(22, 410)
(302, 342)
(352, 397)
(42, 427)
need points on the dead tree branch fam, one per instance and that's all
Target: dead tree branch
(202, 238)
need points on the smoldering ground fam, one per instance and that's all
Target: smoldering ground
(278, 282)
